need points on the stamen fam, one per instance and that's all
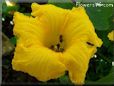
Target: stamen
(61, 38)
(61, 50)
(90, 44)
(58, 46)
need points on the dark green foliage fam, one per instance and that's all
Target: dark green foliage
(100, 16)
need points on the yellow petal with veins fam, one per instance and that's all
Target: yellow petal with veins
(52, 19)
(38, 61)
(26, 27)
(79, 27)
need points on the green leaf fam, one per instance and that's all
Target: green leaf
(103, 36)
(13, 40)
(27, 14)
(10, 8)
(7, 9)
(67, 4)
(98, 1)
(109, 78)
(64, 79)
(100, 16)
(59, 1)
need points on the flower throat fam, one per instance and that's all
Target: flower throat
(58, 47)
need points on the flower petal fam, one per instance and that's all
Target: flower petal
(52, 19)
(26, 27)
(38, 61)
(76, 59)
(79, 27)
(111, 35)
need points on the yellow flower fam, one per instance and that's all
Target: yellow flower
(55, 40)
(111, 35)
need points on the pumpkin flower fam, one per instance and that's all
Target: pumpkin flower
(111, 35)
(54, 40)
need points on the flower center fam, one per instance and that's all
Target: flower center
(59, 46)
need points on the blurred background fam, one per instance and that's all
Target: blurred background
(101, 69)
